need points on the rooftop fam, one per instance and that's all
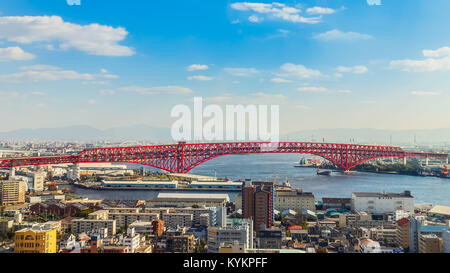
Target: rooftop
(171, 195)
(405, 194)
(440, 210)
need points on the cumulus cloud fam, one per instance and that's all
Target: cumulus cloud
(255, 98)
(276, 11)
(194, 67)
(37, 73)
(178, 90)
(338, 35)
(312, 89)
(358, 69)
(200, 78)
(439, 60)
(320, 10)
(255, 19)
(93, 39)
(241, 72)
(14, 54)
(298, 70)
(280, 80)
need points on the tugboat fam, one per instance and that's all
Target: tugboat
(320, 172)
(444, 173)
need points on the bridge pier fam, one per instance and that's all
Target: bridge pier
(404, 160)
(12, 173)
(427, 161)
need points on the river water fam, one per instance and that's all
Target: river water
(431, 190)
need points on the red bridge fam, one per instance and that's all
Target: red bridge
(182, 157)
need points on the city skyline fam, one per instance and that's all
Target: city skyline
(328, 64)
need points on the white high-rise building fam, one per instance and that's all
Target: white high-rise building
(237, 230)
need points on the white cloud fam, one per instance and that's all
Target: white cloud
(280, 80)
(358, 69)
(424, 93)
(320, 10)
(255, 98)
(298, 70)
(439, 60)
(255, 19)
(312, 89)
(374, 2)
(344, 91)
(158, 90)
(14, 54)
(241, 72)
(277, 11)
(194, 67)
(93, 39)
(338, 35)
(107, 92)
(92, 101)
(37, 73)
(200, 78)
(73, 2)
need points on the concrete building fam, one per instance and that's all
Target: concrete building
(258, 202)
(446, 241)
(418, 227)
(380, 203)
(178, 219)
(12, 192)
(125, 219)
(336, 203)
(38, 239)
(349, 220)
(183, 200)
(294, 199)
(402, 235)
(269, 238)
(5, 226)
(87, 225)
(237, 230)
(430, 243)
(369, 246)
(132, 240)
(38, 181)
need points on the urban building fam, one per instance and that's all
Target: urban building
(38, 239)
(258, 202)
(369, 246)
(12, 192)
(184, 200)
(380, 203)
(86, 225)
(402, 235)
(294, 199)
(5, 226)
(237, 230)
(178, 220)
(269, 238)
(430, 243)
(446, 241)
(337, 203)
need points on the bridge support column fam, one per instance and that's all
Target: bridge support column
(446, 161)
(404, 160)
(427, 161)
(12, 173)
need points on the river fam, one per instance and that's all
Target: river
(264, 167)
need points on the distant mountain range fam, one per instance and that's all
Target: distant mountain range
(149, 133)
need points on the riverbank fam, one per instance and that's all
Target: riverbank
(102, 188)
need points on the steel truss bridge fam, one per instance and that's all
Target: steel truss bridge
(182, 157)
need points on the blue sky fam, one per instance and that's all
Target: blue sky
(328, 64)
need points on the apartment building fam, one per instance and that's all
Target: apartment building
(12, 192)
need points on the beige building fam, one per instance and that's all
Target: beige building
(430, 243)
(126, 219)
(38, 181)
(402, 236)
(294, 199)
(12, 192)
(87, 225)
(5, 226)
(183, 200)
(178, 219)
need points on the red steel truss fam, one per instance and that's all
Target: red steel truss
(182, 158)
